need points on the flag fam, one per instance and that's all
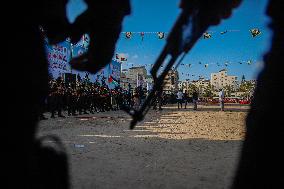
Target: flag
(255, 32)
(128, 35)
(110, 80)
(161, 35)
(123, 59)
(223, 32)
(206, 35)
(120, 57)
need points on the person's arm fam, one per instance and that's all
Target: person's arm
(54, 20)
(216, 9)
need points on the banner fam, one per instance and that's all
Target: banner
(58, 57)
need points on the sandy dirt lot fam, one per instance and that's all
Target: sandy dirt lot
(169, 149)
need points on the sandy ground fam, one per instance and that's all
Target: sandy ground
(169, 149)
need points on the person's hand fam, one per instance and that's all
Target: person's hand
(220, 9)
(103, 22)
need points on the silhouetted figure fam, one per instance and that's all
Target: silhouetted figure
(262, 160)
(34, 165)
(179, 98)
(195, 99)
(102, 21)
(221, 99)
(185, 98)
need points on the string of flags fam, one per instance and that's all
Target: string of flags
(129, 35)
(254, 32)
(206, 65)
(206, 35)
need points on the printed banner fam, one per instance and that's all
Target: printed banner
(58, 57)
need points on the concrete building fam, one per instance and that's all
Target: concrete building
(171, 81)
(131, 75)
(149, 82)
(184, 85)
(201, 84)
(124, 80)
(180, 85)
(221, 79)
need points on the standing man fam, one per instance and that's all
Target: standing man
(157, 101)
(195, 99)
(221, 99)
(185, 98)
(179, 98)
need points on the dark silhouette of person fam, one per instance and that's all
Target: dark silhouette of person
(261, 163)
(195, 99)
(33, 164)
(102, 21)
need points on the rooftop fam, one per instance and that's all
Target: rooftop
(137, 67)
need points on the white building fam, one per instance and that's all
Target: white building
(221, 79)
(184, 85)
(201, 84)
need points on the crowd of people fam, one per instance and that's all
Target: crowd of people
(184, 98)
(81, 97)
(85, 97)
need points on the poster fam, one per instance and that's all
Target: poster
(58, 57)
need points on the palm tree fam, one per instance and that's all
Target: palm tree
(209, 91)
(248, 88)
(191, 88)
(228, 90)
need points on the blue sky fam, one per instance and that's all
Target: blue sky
(232, 47)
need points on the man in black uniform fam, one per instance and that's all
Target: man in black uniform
(195, 99)
(69, 99)
(185, 98)
(56, 98)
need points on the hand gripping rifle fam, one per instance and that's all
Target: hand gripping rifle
(189, 27)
